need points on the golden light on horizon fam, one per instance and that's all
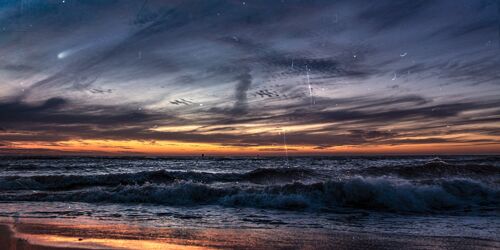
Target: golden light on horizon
(122, 147)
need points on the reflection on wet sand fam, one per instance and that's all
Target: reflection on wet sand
(13, 237)
(84, 234)
(103, 243)
(43, 234)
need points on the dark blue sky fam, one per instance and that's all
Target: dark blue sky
(237, 73)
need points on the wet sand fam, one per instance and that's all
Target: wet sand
(10, 241)
(46, 235)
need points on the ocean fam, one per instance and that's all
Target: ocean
(424, 195)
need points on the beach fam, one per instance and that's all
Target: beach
(36, 234)
(222, 124)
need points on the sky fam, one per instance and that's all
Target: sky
(224, 77)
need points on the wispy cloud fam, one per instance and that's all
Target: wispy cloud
(380, 73)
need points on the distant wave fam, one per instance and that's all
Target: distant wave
(376, 194)
(65, 182)
(68, 182)
(436, 169)
(273, 175)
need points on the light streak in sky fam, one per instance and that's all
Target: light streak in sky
(69, 52)
(64, 54)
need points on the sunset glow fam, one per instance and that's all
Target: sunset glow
(228, 78)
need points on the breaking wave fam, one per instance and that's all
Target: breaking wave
(68, 182)
(435, 169)
(363, 193)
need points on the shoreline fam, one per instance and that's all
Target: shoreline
(66, 235)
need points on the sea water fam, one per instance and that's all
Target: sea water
(446, 196)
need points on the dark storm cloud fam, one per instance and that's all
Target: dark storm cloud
(15, 108)
(17, 114)
(46, 124)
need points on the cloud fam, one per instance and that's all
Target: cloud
(387, 14)
(241, 105)
(115, 70)
(56, 120)
(58, 111)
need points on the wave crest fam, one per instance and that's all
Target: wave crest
(435, 169)
(68, 182)
(362, 193)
